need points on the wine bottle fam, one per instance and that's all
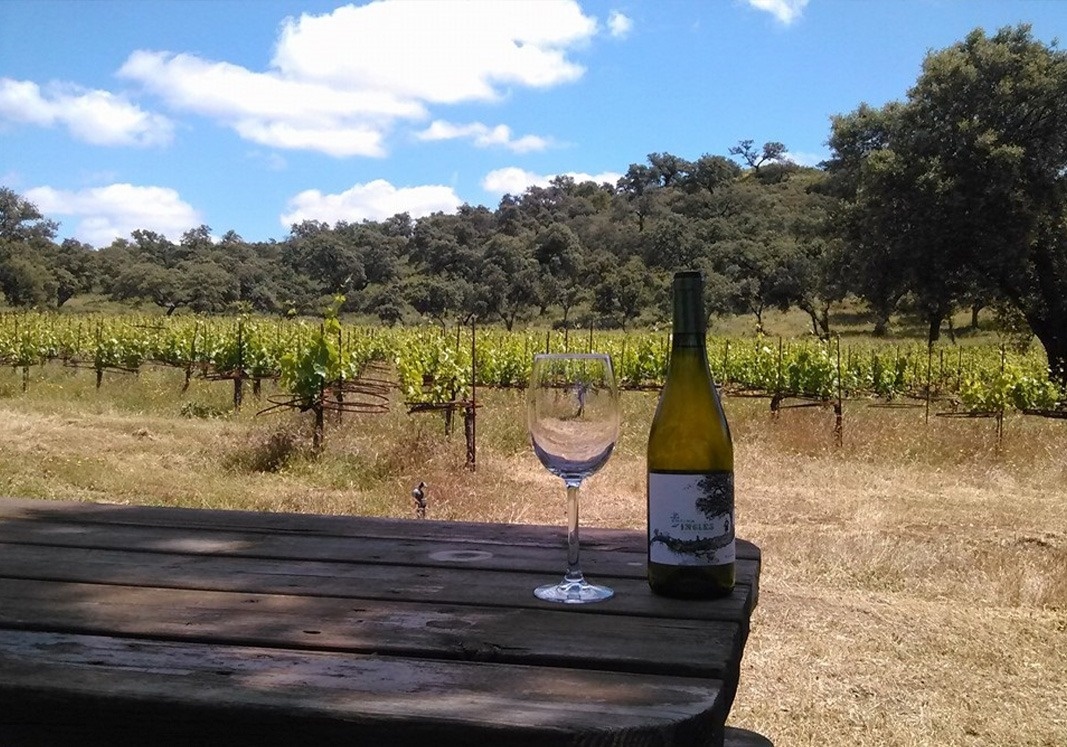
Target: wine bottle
(691, 546)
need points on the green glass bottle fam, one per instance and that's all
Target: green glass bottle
(691, 546)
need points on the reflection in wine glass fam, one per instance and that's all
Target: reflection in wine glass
(572, 408)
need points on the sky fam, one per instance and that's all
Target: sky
(253, 115)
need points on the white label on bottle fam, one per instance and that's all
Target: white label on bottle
(691, 518)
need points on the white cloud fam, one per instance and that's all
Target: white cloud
(786, 11)
(513, 180)
(92, 116)
(269, 109)
(483, 136)
(619, 25)
(445, 51)
(333, 139)
(376, 200)
(339, 82)
(115, 211)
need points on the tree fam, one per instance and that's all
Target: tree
(27, 283)
(206, 287)
(760, 273)
(195, 242)
(670, 244)
(638, 185)
(711, 172)
(623, 292)
(74, 267)
(669, 170)
(388, 303)
(156, 248)
(435, 297)
(508, 281)
(327, 258)
(145, 280)
(34, 271)
(561, 260)
(20, 220)
(772, 152)
(971, 172)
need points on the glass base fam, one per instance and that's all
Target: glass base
(573, 592)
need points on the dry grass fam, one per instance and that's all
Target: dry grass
(915, 580)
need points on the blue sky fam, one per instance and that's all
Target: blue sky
(250, 115)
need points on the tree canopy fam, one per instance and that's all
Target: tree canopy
(960, 191)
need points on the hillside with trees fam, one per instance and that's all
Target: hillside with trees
(954, 198)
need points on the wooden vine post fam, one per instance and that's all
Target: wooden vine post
(190, 363)
(929, 373)
(839, 405)
(1002, 398)
(470, 412)
(98, 360)
(239, 370)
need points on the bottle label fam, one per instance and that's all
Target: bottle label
(691, 518)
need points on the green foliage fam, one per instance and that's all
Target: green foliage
(433, 365)
(960, 192)
(432, 368)
(308, 371)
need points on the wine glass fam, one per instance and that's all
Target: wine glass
(572, 410)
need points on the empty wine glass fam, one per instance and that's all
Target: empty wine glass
(572, 410)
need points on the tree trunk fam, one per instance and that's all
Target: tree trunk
(933, 334)
(975, 308)
(820, 318)
(1053, 336)
(881, 325)
(814, 320)
(824, 321)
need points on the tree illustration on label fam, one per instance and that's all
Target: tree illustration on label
(710, 529)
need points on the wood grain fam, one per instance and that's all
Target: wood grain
(396, 701)
(193, 624)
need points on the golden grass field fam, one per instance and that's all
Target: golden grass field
(914, 589)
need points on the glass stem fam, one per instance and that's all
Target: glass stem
(574, 571)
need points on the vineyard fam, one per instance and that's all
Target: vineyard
(434, 364)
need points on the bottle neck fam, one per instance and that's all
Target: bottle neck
(689, 327)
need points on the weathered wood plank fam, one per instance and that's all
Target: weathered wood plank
(367, 607)
(441, 551)
(327, 526)
(449, 585)
(547, 637)
(112, 687)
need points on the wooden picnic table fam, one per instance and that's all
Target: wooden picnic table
(141, 625)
